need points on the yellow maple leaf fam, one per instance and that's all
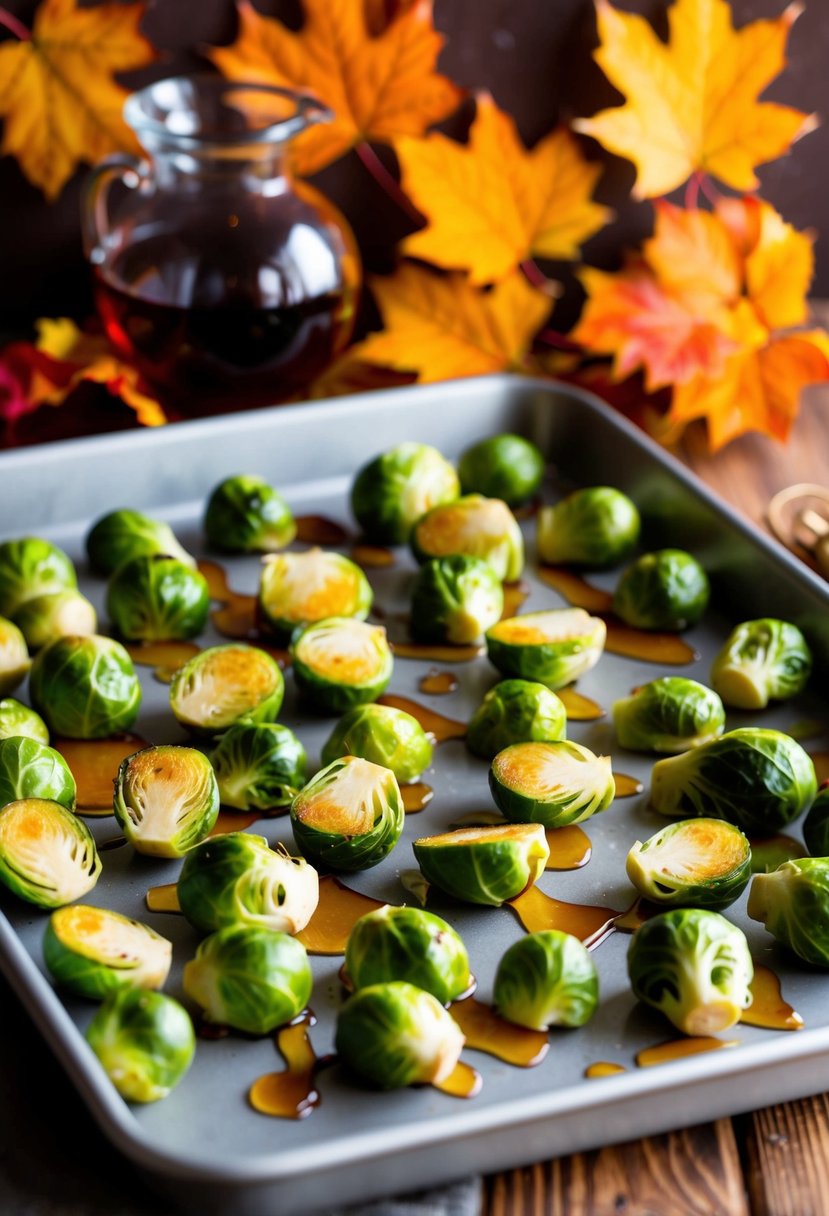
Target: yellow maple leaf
(779, 268)
(692, 253)
(58, 97)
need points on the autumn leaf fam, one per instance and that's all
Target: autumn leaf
(351, 374)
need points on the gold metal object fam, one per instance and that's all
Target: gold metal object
(799, 517)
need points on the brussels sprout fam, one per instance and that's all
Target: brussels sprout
(392, 1035)
(761, 661)
(224, 684)
(551, 783)
(47, 854)
(815, 825)
(30, 769)
(237, 879)
(250, 978)
(793, 903)
(259, 765)
(386, 736)
(696, 863)
(408, 944)
(57, 614)
(546, 979)
(29, 567)
(553, 647)
(145, 1042)
(93, 951)
(455, 599)
(515, 711)
(157, 598)
(503, 466)
(340, 663)
(85, 687)
(300, 588)
(665, 590)
(672, 714)
(122, 534)
(14, 657)
(757, 779)
(17, 719)
(246, 515)
(349, 816)
(475, 526)
(392, 491)
(484, 865)
(594, 527)
(166, 799)
(694, 966)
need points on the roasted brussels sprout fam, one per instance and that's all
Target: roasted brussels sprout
(340, 663)
(259, 766)
(455, 599)
(47, 854)
(504, 466)
(122, 534)
(793, 903)
(30, 769)
(671, 714)
(392, 1035)
(250, 978)
(349, 816)
(237, 879)
(29, 567)
(92, 951)
(157, 598)
(57, 614)
(553, 647)
(594, 527)
(300, 588)
(761, 661)
(815, 825)
(407, 944)
(392, 491)
(224, 684)
(696, 863)
(166, 799)
(486, 865)
(551, 783)
(666, 590)
(17, 719)
(694, 966)
(14, 657)
(145, 1042)
(758, 779)
(475, 526)
(386, 736)
(246, 515)
(85, 687)
(515, 711)
(546, 979)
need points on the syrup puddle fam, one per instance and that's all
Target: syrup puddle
(372, 557)
(635, 916)
(235, 821)
(164, 657)
(94, 764)
(603, 1068)
(769, 852)
(627, 786)
(438, 683)
(679, 1049)
(436, 724)
(462, 1082)
(570, 848)
(579, 708)
(589, 923)
(768, 1009)
(338, 909)
(292, 1093)
(515, 596)
(163, 899)
(320, 530)
(436, 653)
(576, 590)
(486, 1031)
(416, 796)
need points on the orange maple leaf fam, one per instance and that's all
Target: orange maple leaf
(57, 94)
(379, 87)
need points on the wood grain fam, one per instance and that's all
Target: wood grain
(786, 1152)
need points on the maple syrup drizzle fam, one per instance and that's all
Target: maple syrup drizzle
(679, 1049)
(434, 723)
(627, 786)
(372, 557)
(821, 763)
(94, 764)
(416, 796)
(234, 821)
(462, 1082)
(768, 1008)
(338, 908)
(769, 852)
(436, 652)
(292, 1093)
(486, 1031)
(515, 596)
(236, 619)
(164, 657)
(320, 530)
(635, 916)
(603, 1068)
(576, 590)
(579, 708)
(438, 683)
(163, 899)
(570, 848)
(537, 911)
(215, 576)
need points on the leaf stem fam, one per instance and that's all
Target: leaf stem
(536, 277)
(387, 183)
(16, 27)
(559, 341)
(692, 192)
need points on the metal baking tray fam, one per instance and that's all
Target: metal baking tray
(204, 1143)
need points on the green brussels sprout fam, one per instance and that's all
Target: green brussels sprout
(594, 527)
(392, 1035)
(122, 534)
(259, 766)
(484, 865)
(761, 661)
(671, 714)
(553, 647)
(85, 687)
(301, 588)
(815, 825)
(17, 719)
(166, 799)
(551, 783)
(546, 979)
(455, 599)
(145, 1042)
(349, 816)
(57, 614)
(224, 684)
(757, 779)
(250, 978)
(694, 966)
(29, 567)
(47, 854)
(504, 466)
(246, 515)
(475, 526)
(666, 590)
(93, 951)
(386, 736)
(793, 903)
(696, 863)
(392, 491)
(238, 879)
(157, 598)
(340, 663)
(407, 944)
(14, 657)
(30, 769)
(515, 711)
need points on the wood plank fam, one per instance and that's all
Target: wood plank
(786, 1151)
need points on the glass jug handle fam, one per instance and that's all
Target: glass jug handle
(129, 170)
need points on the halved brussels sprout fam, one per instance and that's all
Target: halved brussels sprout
(392, 491)
(166, 799)
(672, 715)
(392, 1035)
(666, 590)
(157, 598)
(793, 903)
(31, 769)
(246, 515)
(145, 1042)
(815, 825)
(515, 711)
(553, 647)
(761, 661)
(259, 766)
(224, 684)
(594, 527)
(14, 657)
(250, 978)
(407, 944)
(93, 951)
(238, 879)
(31, 566)
(386, 736)
(85, 687)
(505, 466)
(47, 854)
(455, 599)
(340, 663)
(551, 783)
(349, 816)
(546, 979)
(57, 614)
(17, 719)
(697, 863)
(475, 526)
(694, 966)
(758, 779)
(120, 535)
(484, 865)
(300, 588)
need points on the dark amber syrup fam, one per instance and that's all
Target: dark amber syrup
(94, 764)
(603, 1068)
(679, 1049)
(589, 923)
(768, 1008)
(579, 708)
(570, 848)
(338, 908)
(487, 1031)
(372, 557)
(320, 530)
(462, 1082)
(627, 786)
(292, 1093)
(416, 797)
(438, 683)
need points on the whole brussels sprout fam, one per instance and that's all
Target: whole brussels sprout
(259, 766)
(14, 657)
(761, 661)
(793, 903)
(551, 783)
(504, 466)
(546, 979)
(30, 769)
(392, 491)
(408, 944)
(665, 590)
(154, 598)
(349, 816)
(301, 588)
(92, 951)
(485, 865)
(224, 684)
(57, 614)
(594, 527)
(145, 1042)
(31, 566)
(120, 535)
(246, 515)
(85, 687)
(672, 715)
(697, 863)
(166, 799)
(553, 647)
(455, 599)
(515, 711)
(17, 719)
(339, 663)
(475, 526)
(815, 825)
(385, 736)
(47, 854)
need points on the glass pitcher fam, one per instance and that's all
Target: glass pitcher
(225, 282)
